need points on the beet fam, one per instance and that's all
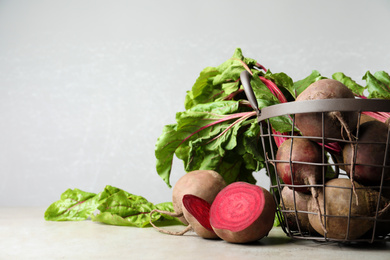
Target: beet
(205, 184)
(365, 118)
(337, 124)
(370, 154)
(292, 202)
(339, 197)
(242, 213)
(305, 151)
(308, 172)
(382, 227)
(198, 215)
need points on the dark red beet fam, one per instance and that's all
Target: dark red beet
(370, 154)
(303, 150)
(199, 209)
(337, 124)
(305, 173)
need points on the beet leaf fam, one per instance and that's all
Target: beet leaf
(350, 83)
(112, 206)
(378, 85)
(73, 205)
(201, 137)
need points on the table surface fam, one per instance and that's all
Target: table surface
(26, 235)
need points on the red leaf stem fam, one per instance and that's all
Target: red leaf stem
(274, 89)
(224, 119)
(261, 67)
(244, 117)
(381, 116)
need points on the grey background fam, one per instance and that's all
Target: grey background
(86, 86)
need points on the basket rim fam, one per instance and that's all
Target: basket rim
(324, 105)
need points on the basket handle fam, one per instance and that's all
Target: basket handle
(245, 78)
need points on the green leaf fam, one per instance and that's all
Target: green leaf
(283, 81)
(263, 94)
(378, 85)
(108, 192)
(231, 73)
(349, 82)
(217, 83)
(118, 207)
(282, 124)
(121, 209)
(277, 221)
(234, 168)
(203, 122)
(231, 69)
(165, 148)
(230, 87)
(203, 91)
(301, 85)
(206, 152)
(73, 205)
(250, 148)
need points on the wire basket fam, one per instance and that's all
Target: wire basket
(350, 225)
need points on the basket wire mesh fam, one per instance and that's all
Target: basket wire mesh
(379, 219)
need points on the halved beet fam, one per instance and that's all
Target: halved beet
(199, 209)
(242, 213)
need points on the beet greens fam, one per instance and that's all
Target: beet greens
(218, 129)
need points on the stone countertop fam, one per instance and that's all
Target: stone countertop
(26, 235)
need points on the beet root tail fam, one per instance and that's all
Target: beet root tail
(172, 214)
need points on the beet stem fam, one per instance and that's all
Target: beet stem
(314, 194)
(345, 127)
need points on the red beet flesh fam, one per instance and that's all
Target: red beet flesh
(199, 209)
(242, 213)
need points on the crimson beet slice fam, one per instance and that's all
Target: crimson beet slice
(242, 213)
(199, 209)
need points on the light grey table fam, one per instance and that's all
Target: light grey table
(26, 235)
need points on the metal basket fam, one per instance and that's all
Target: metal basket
(288, 217)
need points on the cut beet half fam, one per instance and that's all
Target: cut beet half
(237, 206)
(199, 209)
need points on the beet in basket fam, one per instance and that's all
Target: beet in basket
(349, 199)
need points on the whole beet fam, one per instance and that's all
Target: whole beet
(305, 151)
(339, 203)
(337, 124)
(292, 201)
(370, 154)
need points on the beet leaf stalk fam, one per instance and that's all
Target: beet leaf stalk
(206, 135)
